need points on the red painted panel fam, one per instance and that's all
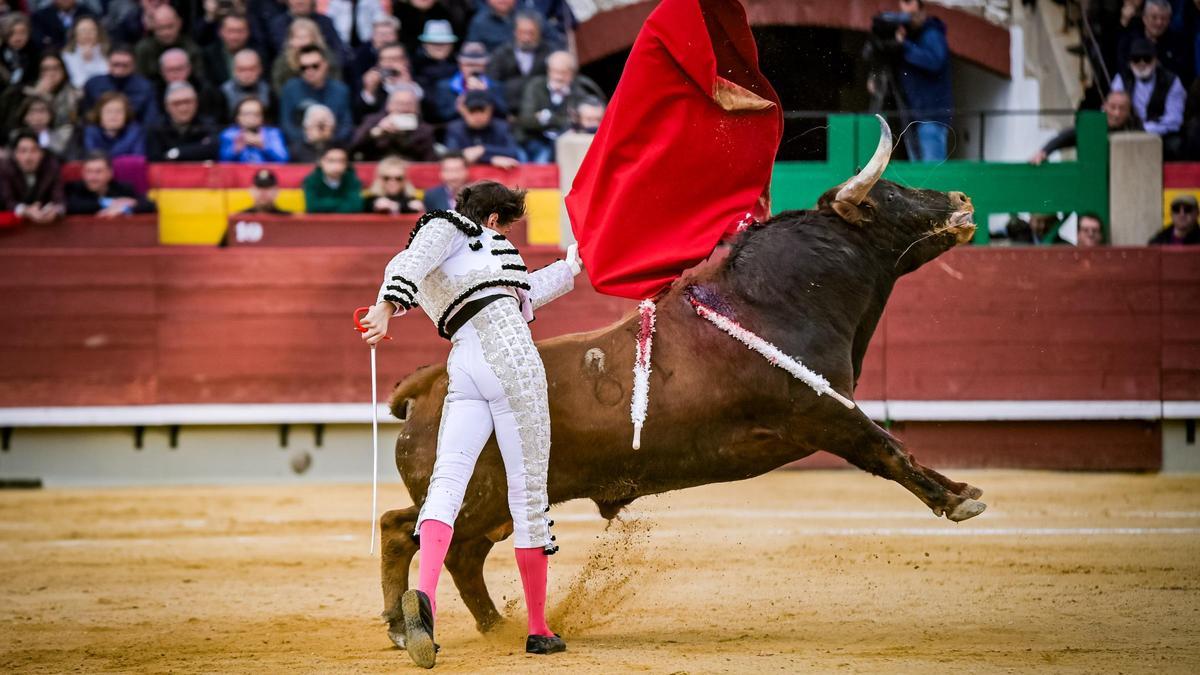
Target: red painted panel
(1098, 446)
(1181, 175)
(1181, 324)
(182, 175)
(84, 232)
(1027, 324)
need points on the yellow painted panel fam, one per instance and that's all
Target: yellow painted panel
(190, 216)
(290, 199)
(544, 207)
(1172, 193)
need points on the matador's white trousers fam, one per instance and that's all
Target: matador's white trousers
(497, 383)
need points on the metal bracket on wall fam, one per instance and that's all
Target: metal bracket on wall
(173, 435)
(6, 438)
(139, 437)
(1189, 431)
(284, 430)
(319, 434)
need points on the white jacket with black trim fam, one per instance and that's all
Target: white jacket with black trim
(451, 261)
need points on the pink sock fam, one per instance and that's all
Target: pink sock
(533, 564)
(435, 541)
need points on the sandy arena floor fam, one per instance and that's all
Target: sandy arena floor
(795, 571)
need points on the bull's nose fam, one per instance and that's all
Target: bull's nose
(959, 199)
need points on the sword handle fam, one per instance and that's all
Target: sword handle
(358, 314)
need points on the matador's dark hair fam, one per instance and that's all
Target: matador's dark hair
(479, 200)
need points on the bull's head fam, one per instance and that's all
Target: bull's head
(918, 224)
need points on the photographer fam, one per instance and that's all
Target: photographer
(391, 73)
(910, 47)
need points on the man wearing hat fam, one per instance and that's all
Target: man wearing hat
(1158, 95)
(264, 190)
(1183, 230)
(472, 62)
(433, 59)
(479, 136)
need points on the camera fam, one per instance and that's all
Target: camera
(884, 24)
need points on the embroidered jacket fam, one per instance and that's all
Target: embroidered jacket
(451, 260)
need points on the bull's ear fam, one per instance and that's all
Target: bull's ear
(848, 212)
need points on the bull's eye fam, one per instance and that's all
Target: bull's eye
(891, 196)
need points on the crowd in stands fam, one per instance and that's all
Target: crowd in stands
(329, 82)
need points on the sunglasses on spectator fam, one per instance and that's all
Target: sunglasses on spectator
(1182, 208)
(1141, 59)
(309, 66)
(391, 178)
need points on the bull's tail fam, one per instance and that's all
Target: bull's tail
(417, 383)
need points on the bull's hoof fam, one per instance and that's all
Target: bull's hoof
(971, 492)
(396, 635)
(969, 508)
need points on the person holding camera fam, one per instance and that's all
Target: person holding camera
(913, 45)
(392, 72)
(396, 130)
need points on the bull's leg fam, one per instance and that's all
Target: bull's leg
(397, 548)
(465, 562)
(865, 445)
(961, 489)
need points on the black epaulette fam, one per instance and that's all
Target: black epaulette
(460, 221)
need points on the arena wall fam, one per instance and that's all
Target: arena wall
(1059, 358)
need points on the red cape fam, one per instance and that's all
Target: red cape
(683, 154)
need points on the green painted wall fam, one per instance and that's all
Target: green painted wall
(994, 187)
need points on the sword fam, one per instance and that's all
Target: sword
(374, 429)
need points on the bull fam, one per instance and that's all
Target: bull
(812, 282)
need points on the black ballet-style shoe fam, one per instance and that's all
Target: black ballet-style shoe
(544, 644)
(418, 628)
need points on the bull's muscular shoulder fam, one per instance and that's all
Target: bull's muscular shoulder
(454, 218)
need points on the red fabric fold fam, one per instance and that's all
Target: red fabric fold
(684, 153)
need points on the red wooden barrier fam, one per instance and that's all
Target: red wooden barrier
(84, 232)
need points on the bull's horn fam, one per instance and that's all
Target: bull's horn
(856, 189)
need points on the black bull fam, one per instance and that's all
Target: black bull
(814, 283)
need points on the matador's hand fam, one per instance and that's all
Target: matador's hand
(376, 322)
(573, 258)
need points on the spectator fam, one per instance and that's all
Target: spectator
(167, 34)
(480, 137)
(113, 128)
(176, 68)
(314, 86)
(493, 24)
(18, 54)
(333, 187)
(302, 33)
(472, 61)
(1158, 95)
(547, 103)
(50, 82)
(247, 82)
(232, 37)
(353, 19)
(264, 190)
(1089, 232)
(306, 9)
(1117, 109)
(186, 136)
(123, 80)
(128, 21)
(249, 140)
(397, 130)
(31, 181)
(1175, 51)
(587, 116)
(385, 30)
(36, 114)
(86, 53)
(1183, 230)
(454, 174)
(433, 60)
(392, 73)
(514, 64)
(97, 194)
(391, 192)
(415, 15)
(925, 80)
(319, 126)
(52, 23)
(206, 28)
(1040, 230)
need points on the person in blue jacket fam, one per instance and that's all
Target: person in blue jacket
(113, 128)
(248, 140)
(925, 80)
(479, 136)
